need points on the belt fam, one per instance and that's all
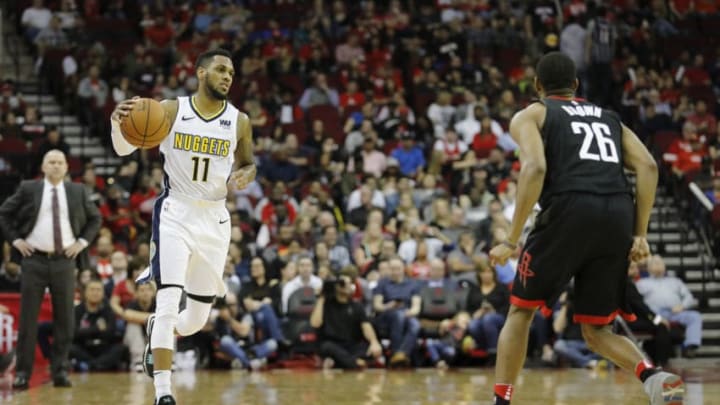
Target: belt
(50, 255)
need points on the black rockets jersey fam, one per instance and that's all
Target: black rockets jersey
(583, 149)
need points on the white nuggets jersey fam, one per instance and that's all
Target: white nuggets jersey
(199, 152)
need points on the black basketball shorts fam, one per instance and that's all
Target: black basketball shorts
(585, 236)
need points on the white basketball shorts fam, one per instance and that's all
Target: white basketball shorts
(190, 240)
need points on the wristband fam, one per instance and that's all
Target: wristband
(509, 244)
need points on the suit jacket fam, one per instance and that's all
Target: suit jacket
(19, 213)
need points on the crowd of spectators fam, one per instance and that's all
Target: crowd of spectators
(381, 139)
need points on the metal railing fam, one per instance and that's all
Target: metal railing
(9, 45)
(700, 211)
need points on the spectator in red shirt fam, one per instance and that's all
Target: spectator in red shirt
(485, 140)
(706, 6)
(124, 291)
(681, 8)
(704, 122)
(686, 154)
(142, 200)
(352, 97)
(216, 34)
(378, 55)
(696, 74)
(184, 68)
(117, 215)
(10, 101)
(160, 34)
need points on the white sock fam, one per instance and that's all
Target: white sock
(162, 383)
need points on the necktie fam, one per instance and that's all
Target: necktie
(57, 235)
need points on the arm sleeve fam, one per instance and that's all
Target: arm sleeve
(286, 291)
(688, 301)
(121, 146)
(94, 219)
(334, 98)
(8, 211)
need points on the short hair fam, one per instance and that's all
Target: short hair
(556, 71)
(303, 256)
(349, 271)
(206, 57)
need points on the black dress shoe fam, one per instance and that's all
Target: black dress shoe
(165, 400)
(21, 382)
(690, 352)
(62, 381)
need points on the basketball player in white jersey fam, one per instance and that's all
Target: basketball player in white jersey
(209, 144)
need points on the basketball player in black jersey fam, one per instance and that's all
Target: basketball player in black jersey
(573, 154)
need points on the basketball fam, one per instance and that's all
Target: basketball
(146, 125)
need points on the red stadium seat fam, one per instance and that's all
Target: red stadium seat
(662, 140)
(716, 216)
(75, 166)
(293, 83)
(704, 93)
(422, 101)
(507, 59)
(330, 116)
(298, 128)
(389, 146)
(13, 146)
(236, 92)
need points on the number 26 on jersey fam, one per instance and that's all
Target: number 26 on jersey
(598, 133)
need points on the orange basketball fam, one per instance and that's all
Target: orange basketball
(146, 125)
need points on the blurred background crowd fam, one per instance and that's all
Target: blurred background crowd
(384, 162)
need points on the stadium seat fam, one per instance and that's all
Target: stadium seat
(298, 128)
(508, 58)
(293, 83)
(301, 303)
(704, 93)
(662, 140)
(330, 116)
(297, 325)
(422, 101)
(438, 303)
(13, 146)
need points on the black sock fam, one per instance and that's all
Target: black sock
(647, 373)
(500, 401)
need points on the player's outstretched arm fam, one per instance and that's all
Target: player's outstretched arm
(637, 158)
(244, 158)
(525, 130)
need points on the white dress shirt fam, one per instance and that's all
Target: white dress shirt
(41, 236)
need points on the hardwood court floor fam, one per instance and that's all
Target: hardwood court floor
(425, 386)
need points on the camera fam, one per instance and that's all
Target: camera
(330, 285)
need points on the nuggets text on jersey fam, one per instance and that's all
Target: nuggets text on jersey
(201, 144)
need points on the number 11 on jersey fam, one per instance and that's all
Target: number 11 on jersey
(196, 163)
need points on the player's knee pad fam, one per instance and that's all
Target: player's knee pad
(166, 318)
(195, 315)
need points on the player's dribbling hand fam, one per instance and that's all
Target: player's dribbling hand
(243, 176)
(123, 109)
(640, 249)
(500, 254)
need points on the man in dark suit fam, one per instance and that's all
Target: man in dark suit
(50, 222)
